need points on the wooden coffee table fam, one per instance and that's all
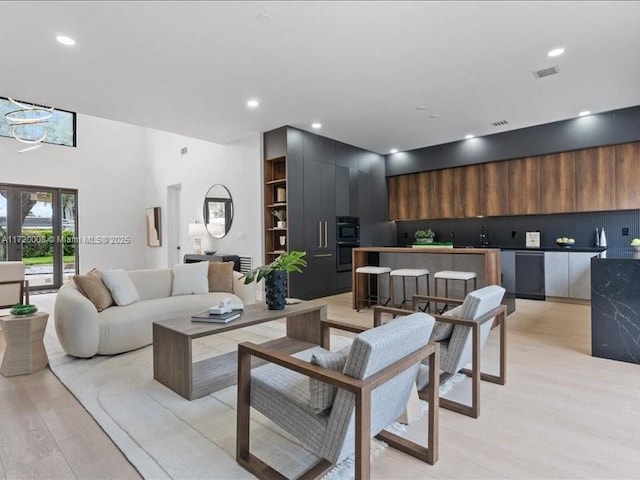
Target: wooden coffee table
(173, 364)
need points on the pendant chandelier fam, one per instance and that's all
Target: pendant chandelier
(28, 123)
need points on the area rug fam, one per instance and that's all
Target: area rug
(165, 436)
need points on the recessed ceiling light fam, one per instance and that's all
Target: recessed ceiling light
(63, 39)
(434, 116)
(555, 52)
(263, 18)
(252, 103)
(469, 136)
(584, 113)
(393, 150)
(421, 108)
(316, 125)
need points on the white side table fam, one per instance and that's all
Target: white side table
(24, 337)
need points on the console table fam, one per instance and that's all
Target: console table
(218, 257)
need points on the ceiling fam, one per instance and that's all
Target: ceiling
(359, 68)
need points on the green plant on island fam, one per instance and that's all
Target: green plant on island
(292, 261)
(424, 234)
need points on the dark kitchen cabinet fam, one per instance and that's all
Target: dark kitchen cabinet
(366, 209)
(319, 200)
(347, 199)
(326, 178)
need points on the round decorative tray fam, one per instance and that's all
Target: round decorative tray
(565, 244)
(23, 310)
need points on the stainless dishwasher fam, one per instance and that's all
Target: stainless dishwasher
(530, 275)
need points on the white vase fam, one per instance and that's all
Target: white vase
(281, 224)
(603, 238)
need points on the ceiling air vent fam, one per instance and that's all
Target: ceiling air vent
(500, 123)
(545, 72)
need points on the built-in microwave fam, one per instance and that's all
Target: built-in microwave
(348, 229)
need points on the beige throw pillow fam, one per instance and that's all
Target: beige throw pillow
(92, 287)
(221, 277)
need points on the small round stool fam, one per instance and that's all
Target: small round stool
(370, 299)
(415, 273)
(447, 275)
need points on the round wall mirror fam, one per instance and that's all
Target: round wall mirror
(218, 211)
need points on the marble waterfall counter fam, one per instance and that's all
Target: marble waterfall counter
(485, 262)
(615, 306)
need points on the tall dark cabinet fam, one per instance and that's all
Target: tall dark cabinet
(325, 178)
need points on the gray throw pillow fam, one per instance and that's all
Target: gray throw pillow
(442, 330)
(322, 394)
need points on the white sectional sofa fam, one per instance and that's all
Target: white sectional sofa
(85, 332)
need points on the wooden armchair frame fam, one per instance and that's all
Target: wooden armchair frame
(24, 291)
(500, 314)
(362, 390)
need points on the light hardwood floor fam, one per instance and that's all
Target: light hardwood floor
(562, 414)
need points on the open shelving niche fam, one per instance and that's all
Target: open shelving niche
(275, 178)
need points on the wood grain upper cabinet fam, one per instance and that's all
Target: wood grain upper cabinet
(467, 184)
(409, 196)
(595, 179)
(627, 176)
(423, 199)
(524, 186)
(441, 196)
(558, 183)
(394, 205)
(495, 189)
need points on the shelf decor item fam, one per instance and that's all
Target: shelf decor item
(424, 236)
(281, 216)
(20, 310)
(281, 195)
(275, 277)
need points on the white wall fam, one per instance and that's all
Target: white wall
(107, 170)
(236, 165)
(120, 170)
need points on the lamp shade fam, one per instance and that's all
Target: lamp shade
(197, 230)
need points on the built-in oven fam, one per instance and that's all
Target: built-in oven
(347, 238)
(344, 255)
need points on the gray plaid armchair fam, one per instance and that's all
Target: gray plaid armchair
(462, 333)
(372, 391)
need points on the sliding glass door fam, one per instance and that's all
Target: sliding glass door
(38, 226)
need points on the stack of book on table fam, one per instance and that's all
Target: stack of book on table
(216, 317)
(225, 312)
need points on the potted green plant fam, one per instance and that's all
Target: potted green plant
(275, 277)
(424, 236)
(281, 216)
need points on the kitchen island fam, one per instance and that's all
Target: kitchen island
(615, 306)
(485, 262)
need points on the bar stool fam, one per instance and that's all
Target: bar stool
(452, 275)
(370, 270)
(415, 273)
